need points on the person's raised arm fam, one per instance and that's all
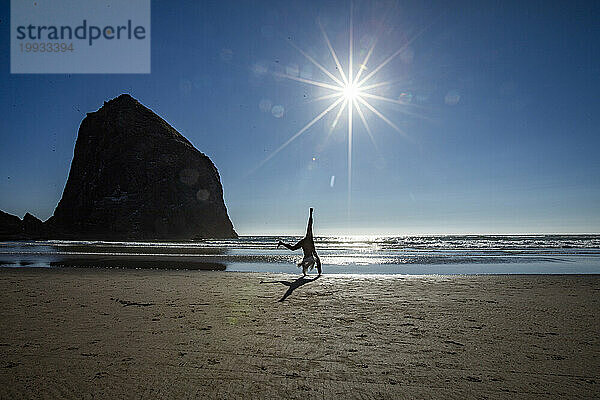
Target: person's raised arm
(309, 232)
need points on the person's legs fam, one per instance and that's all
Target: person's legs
(309, 232)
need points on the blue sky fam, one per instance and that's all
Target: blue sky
(501, 129)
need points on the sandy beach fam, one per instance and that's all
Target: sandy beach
(111, 333)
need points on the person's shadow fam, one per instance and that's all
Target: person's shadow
(293, 285)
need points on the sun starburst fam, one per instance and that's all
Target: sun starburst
(350, 92)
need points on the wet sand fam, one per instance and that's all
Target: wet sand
(109, 333)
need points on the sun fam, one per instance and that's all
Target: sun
(350, 91)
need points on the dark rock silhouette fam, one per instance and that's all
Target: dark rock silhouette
(13, 228)
(33, 226)
(133, 176)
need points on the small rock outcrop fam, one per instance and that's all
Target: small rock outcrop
(15, 228)
(33, 226)
(133, 176)
(11, 227)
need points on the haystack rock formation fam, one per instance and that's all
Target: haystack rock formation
(133, 176)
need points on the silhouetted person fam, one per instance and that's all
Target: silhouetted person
(308, 247)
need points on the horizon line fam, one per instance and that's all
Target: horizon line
(429, 234)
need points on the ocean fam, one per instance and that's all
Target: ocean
(413, 255)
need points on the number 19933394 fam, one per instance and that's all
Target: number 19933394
(46, 47)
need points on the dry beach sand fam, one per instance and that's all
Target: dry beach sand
(100, 333)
